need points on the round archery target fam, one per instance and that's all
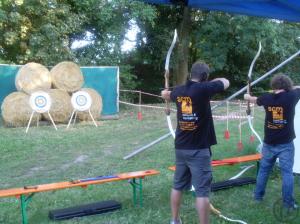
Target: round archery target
(40, 102)
(81, 101)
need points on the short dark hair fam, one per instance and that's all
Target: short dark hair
(200, 71)
(281, 81)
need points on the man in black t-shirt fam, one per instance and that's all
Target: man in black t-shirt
(279, 134)
(195, 135)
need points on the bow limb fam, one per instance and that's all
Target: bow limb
(248, 111)
(250, 76)
(167, 75)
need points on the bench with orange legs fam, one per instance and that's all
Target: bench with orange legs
(26, 193)
(232, 161)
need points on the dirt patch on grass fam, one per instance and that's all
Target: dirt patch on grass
(79, 159)
(32, 171)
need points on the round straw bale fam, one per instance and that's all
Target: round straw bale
(96, 107)
(67, 76)
(61, 107)
(16, 110)
(32, 77)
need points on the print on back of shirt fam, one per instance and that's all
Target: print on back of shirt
(277, 118)
(188, 118)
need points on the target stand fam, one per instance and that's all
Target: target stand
(40, 102)
(81, 101)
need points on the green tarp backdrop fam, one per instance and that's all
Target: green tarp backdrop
(103, 79)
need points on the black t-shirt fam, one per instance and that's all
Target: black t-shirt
(195, 128)
(280, 113)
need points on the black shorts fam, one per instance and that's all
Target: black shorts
(193, 167)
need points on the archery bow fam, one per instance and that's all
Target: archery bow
(248, 111)
(167, 75)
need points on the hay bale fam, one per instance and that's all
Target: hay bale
(16, 110)
(67, 76)
(96, 107)
(32, 77)
(61, 107)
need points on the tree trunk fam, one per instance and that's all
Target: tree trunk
(181, 68)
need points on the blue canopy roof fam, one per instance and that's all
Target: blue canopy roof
(276, 9)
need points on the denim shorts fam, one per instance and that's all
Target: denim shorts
(193, 167)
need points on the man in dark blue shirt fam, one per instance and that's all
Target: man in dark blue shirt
(279, 135)
(195, 135)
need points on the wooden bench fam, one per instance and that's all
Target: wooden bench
(26, 193)
(232, 161)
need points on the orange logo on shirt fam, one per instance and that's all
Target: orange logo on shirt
(277, 116)
(186, 104)
(277, 112)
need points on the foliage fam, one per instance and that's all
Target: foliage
(49, 32)
(107, 28)
(44, 31)
(227, 42)
(36, 30)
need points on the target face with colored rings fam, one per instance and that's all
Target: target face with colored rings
(40, 102)
(81, 101)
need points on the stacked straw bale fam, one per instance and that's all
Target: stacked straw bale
(16, 110)
(96, 107)
(33, 77)
(67, 76)
(61, 107)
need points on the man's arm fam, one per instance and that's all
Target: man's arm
(252, 99)
(166, 94)
(296, 87)
(223, 80)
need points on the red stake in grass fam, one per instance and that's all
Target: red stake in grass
(240, 146)
(226, 132)
(140, 117)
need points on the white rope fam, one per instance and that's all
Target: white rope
(138, 91)
(241, 173)
(231, 116)
(232, 220)
(146, 106)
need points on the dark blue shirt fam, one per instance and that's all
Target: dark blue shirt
(195, 128)
(280, 113)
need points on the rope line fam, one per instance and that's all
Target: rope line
(220, 117)
(143, 105)
(138, 91)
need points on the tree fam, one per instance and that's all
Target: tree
(226, 42)
(44, 31)
(107, 22)
(37, 30)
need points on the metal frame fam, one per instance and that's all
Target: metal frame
(24, 203)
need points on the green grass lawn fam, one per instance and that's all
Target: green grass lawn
(45, 156)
